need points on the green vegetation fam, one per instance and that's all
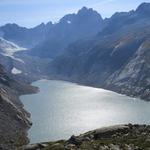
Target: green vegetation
(135, 138)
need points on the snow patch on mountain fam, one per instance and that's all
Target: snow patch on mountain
(16, 71)
(8, 48)
(69, 22)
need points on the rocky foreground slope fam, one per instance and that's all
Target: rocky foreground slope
(118, 58)
(13, 118)
(120, 137)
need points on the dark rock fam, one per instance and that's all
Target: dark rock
(128, 139)
(74, 140)
(34, 146)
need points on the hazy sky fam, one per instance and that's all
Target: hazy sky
(32, 12)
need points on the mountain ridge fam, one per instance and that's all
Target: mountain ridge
(85, 23)
(114, 55)
(112, 49)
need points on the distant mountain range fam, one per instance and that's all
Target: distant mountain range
(110, 53)
(24, 37)
(72, 27)
(117, 58)
(48, 40)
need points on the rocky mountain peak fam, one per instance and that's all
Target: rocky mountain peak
(144, 9)
(88, 12)
(68, 18)
(49, 23)
(83, 10)
(12, 26)
(42, 25)
(84, 14)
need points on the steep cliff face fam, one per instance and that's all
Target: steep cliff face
(116, 59)
(134, 77)
(13, 118)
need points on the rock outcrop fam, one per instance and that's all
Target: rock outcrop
(13, 118)
(119, 137)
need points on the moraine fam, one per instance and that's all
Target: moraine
(62, 109)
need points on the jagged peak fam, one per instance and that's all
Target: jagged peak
(49, 23)
(89, 12)
(40, 25)
(144, 8)
(85, 10)
(68, 17)
(121, 14)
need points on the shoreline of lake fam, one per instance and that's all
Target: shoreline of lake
(63, 87)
